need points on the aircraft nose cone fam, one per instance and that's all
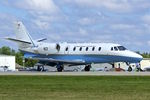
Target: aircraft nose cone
(135, 57)
(138, 57)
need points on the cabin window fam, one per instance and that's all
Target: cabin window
(99, 49)
(93, 48)
(112, 48)
(58, 47)
(87, 48)
(115, 48)
(66, 48)
(74, 48)
(80, 49)
(45, 48)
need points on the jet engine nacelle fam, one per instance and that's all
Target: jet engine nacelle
(47, 49)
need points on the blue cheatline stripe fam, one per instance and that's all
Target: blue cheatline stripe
(86, 58)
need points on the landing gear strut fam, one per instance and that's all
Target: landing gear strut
(40, 68)
(60, 68)
(87, 68)
(112, 64)
(129, 68)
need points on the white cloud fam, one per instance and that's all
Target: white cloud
(6, 23)
(44, 21)
(146, 23)
(41, 24)
(46, 6)
(134, 29)
(119, 6)
(146, 18)
(102, 38)
(82, 32)
(79, 32)
(148, 42)
(41, 12)
(100, 23)
(85, 21)
(121, 26)
(113, 5)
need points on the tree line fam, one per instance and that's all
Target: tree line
(146, 55)
(19, 56)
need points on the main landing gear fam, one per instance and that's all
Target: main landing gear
(87, 68)
(60, 68)
(40, 68)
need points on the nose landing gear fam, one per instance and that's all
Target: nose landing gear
(129, 68)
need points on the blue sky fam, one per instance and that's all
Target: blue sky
(126, 22)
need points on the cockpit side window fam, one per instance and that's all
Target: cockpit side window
(115, 48)
(121, 48)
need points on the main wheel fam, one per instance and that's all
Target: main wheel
(60, 68)
(40, 68)
(87, 68)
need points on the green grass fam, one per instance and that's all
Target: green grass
(74, 88)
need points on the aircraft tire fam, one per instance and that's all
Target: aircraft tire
(40, 68)
(87, 68)
(130, 69)
(60, 68)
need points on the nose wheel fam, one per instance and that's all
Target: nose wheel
(129, 68)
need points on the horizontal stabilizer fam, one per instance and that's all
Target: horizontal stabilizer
(16, 40)
(40, 40)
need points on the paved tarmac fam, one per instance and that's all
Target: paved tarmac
(79, 73)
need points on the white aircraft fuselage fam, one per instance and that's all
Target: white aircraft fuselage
(71, 53)
(84, 52)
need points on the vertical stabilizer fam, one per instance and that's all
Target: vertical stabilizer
(23, 35)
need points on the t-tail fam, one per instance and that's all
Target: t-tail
(23, 38)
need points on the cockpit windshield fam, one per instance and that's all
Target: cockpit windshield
(121, 48)
(118, 48)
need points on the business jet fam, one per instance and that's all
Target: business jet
(71, 54)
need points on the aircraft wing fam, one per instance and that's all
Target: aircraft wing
(76, 62)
